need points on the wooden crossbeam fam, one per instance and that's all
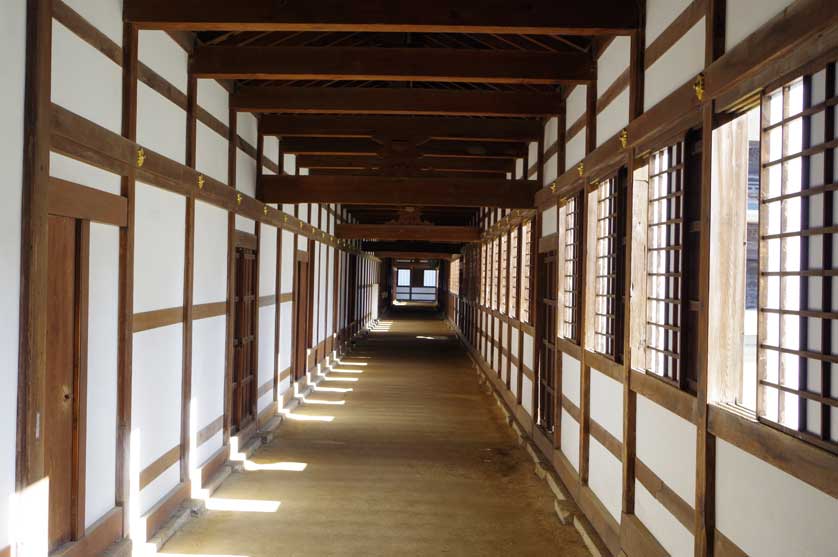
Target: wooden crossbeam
(394, 64)
(374, 190)
(500, 166)
(429, 232)
(344, 100)
(436, 148)
(412, 173)
(482, 129)
(593, 17)
(413, 255)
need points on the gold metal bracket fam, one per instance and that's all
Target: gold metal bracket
(140, 157)
(698, 87)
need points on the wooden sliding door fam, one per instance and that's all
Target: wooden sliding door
(244, 340)
(301, 315)
(66, 390)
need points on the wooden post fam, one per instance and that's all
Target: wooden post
(188, 278)
(30, 465)
(231, 278)
(278, 287)
(629, 446)
(130, 66)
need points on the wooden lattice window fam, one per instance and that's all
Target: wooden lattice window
(495, 252)
(797, 385)
(526, 244)
(454, 277)
(664, 262)
(483, 274)
(513, 271)
(571, 283)
(606, 289)
(502, 271)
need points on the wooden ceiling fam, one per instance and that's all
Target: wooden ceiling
(435, 96)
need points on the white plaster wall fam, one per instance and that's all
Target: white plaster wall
(245, 183)
(215, 99)
(84, 174)
(680, 64)
(672, 535)
(526, 394)
(514, 347)
(746, 16)
(549, 220)
(528, 350)
(575, 105)
(105, 15)
(767, 512)
(605, 477)
(267, 260)
(330, 289)
(13, 60)
(570, 439)
(211, 155)
(533, 154)
(210, 257)
(607, 403)
(660, 14)
(575, 149)
(158, 248)
(612, 63)
(287, 268)
(290, 163)
(163, 55)
(84, 80)
(155, 403)
(666, 444)
(551, 169)
(161, 124)
(208, 353)
(267, 326)
(613, 118)
(103, 325)
(285, 332)
(571, 378)
(247, 127)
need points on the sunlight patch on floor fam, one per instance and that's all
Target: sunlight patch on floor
(251, 466)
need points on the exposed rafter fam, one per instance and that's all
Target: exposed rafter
(547, 17)
(393, 64)
(367, 190)
(394, 101)
(427, 232)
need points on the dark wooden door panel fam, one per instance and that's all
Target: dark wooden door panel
(244, 345)
(61, 352)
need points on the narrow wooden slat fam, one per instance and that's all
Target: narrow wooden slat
(163, 463)
(675, 400)
(157, 318)
(73, 200)
(665, 495)
(637, 541)
(208, 431)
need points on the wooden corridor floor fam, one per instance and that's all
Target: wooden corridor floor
(398, 452)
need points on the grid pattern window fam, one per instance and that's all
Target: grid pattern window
(502, 270)
(571, 286)
(526, 244)
(664, 262)
(454, 277)
(495, 272)
(797, 387)
(605, 293)
(513, 272)
(483, 274)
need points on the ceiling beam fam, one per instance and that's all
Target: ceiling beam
(411, 232)
(394, 64)
(362, 162)
(367, 100)
(435, 148)
(592, 17)
(481, 129)
(413, 255)
(416, 173)
(383, 190)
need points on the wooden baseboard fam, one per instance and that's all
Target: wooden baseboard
(266, 415)
(605, 525)
(157, 517)
(98, 537)
(209, 468)
(636, 540)
(6, 551)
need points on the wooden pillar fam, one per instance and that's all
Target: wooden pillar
(188, 278)
(278, 288)
(231, 277)
(629, 446)
(30, 466)
(130, 66)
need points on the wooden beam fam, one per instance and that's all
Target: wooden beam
(361, 162)
(484, 129)
(413, 255)
(374, 190)
(594, 17)
(427, 232)
(394, 64)
(369, 147)
(344, 100)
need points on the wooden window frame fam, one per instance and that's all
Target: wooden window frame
(797, 256)
(607, 286)
(572, 262)
(665, 262)
(524, 308)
